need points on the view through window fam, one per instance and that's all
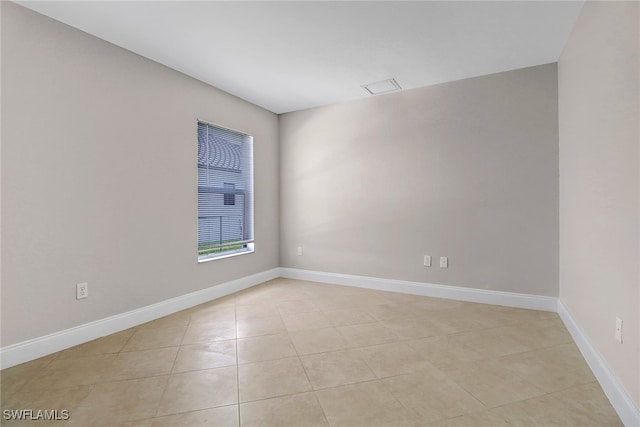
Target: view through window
(225, 192)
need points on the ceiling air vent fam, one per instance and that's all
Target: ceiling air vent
(383, 86)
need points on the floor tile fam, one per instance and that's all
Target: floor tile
(590, 400)
(367, 298)
(426, 305)
(294, 411)
(116, 402)
(366, 404)
(332, 302)
(205, 332)
(444, 351)
(494, 342)
(432, 395)
(146, 339)
(521, 315)
(265, 347)
(296, 306)
(287, 293)
(110, 344)
(453, 318)
(475, 419)
(141, 364)
(213, 313)
(414, 328)
(543, 333)
(260, 326)
(14, 378)
(224, 416)
(178, 319)
(74, 421)
(551, 369)
(547, 411)
(273, 378)
(66, 398)
(486, 315)
(388, 360)
(195, 357)
(253, 296)
(317, 341)
(326, 290)
(367, 334)
(336, 368)
(137, 423)
(397, 297)
(389, 311)
(300, 321)
(252, 311)
(346, 317)
(191, 391)
(67, 373)
(491, 383)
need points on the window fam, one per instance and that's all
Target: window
(225, 192)
(229, 199)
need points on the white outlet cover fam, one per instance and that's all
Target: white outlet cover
(444, 262)
(427, 260)
(619, 330)
(82, 290)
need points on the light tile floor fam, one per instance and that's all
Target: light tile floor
(293, 353)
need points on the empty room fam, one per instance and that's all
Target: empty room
(320, 213)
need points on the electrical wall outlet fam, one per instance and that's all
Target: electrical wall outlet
(427, 260)
(444, 262)
(300, 251)
(82, 290)
(619, 330)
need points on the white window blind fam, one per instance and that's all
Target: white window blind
(225, 192)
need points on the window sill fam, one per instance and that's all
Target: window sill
(226, 255)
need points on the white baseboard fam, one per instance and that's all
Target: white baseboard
(627, 410)
(509, 299)
(32, 349)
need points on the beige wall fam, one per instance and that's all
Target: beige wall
(467, 170)
(99, 178)
(598, 77)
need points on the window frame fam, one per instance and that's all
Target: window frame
(248, 196)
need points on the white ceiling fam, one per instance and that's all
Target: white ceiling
(287, 56)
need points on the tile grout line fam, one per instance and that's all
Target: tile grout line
(384, 386)
(166, 385)
(313, 390)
